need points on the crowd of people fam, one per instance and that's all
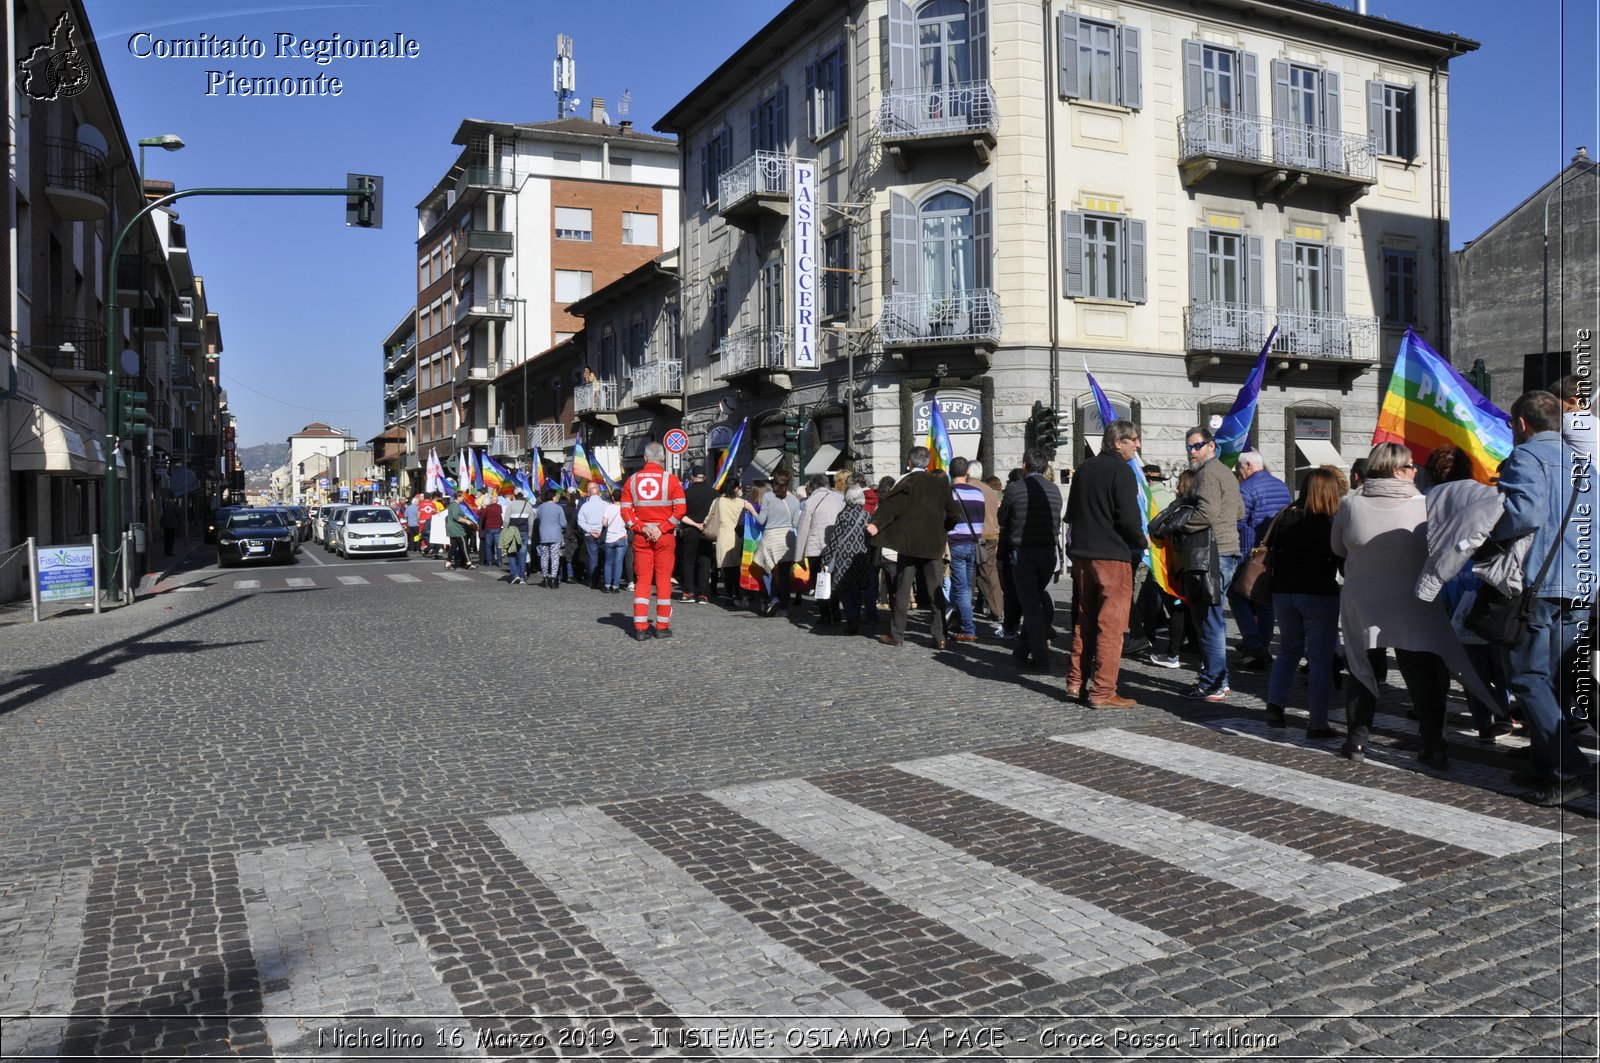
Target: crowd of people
(1389, 556)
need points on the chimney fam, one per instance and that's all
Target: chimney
(626, 125)
(1582, 154)
(597, 111)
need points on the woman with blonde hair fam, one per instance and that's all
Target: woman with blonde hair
(1305, 599)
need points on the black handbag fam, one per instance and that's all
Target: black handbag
(1202, 568)
(1170, 521)
(1503, 620)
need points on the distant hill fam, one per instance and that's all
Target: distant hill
(259, 461)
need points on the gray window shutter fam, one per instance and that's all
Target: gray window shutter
(1375, 112)
(841, 89)
(811, 101)
(755, 130)
(1332, 145)
(1249, 91)
(902, 47)
(1132, 85)
(1193, 75)
(782, 121)
(1067, 45)
(1199, 266)
(983, 238)
(1072, 252)
(905, 252)
(1134, 260)
(978, 34)
(1281, 105)
(1335, 301)
(1255, 271)
(886, 241)
(1285, 275)
(705, 173)
(1410, 121)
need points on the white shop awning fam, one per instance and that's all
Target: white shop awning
(1319, 452)
(823, 460)
(46, 443)
(767, 460)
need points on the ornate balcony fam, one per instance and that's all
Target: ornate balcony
(968, 318)
(659, 383)
(597, 401)
(948, 116)
(73, 349)
(1283, 157)
(754, 189)
(754, 351)
(75, 179)
(475, 243)
(1231, 334)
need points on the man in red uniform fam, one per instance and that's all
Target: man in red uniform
(652, 504)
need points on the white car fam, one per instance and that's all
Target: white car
(323, 533)
(370, 530)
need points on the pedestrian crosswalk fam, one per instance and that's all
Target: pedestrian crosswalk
(943, 885)
(326, 578)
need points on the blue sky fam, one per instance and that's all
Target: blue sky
(305, 301)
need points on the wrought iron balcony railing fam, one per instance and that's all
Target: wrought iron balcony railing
(597, 397)
(763, 173)
(971, 316)
(1242, 328)
(548, 436)
(1211, 132)
(653, 380)
(754, 350)
(965, 107)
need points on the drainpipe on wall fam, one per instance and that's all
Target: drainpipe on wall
(1052, 265)
(1441, 249)
(6, 501)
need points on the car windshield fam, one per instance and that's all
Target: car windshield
(260, 520)
(371, 516)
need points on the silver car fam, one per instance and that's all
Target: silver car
(326, 517)
(365, 530)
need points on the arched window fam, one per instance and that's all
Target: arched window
(948, 252)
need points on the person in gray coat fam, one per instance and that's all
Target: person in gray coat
(823, 505)
(1220, 509)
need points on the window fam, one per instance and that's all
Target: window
(636, 334)
(1392, 119)
(718, 315)
(944, 53)
(716, 155)
(1099, 61)
(621, 168)
(769, 121)
(1399, 287)
(772, 296)
(947, 251)
(1221, 100)
(1305, 105)
(1311, 298)
(567, 163)
(639, 229)
(835, 278)
(608, 354)
(573, 284)
(1104, 256)
(943, 248)
(574, 223)
(424, 277)
(826, 107)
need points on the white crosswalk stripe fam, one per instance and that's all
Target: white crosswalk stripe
(667, 927)
(1427, 819)
(246, 584)
(299, 581)
(401, 577)
(1263, 867)
(456, 577)
(1061, 935)
(352, 581)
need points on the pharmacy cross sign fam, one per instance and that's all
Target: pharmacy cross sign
(676, 441)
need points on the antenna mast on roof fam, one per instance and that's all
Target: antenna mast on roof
(565, 78)
(627, 101)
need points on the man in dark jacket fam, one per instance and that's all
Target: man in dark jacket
(1264, 497)
(913, 519)
(1030, 514)
(694, 551)
(1107, 534)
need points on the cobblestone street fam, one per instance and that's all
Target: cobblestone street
(327, 813)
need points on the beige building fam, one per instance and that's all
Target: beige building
(1009, 192)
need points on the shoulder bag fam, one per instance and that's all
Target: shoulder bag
(1170, 521)
(1253, 580)
(1503, 620)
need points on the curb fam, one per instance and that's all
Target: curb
(149, 581)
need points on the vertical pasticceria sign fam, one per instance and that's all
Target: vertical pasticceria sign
(803, 237)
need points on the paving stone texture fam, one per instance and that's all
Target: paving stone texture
(330, 813)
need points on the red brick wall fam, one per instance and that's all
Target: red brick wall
(606, 256)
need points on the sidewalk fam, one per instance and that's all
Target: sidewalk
(188, 552)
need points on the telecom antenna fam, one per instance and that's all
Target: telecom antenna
(623, 104)
(565, 78)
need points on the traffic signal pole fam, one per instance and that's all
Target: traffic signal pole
(111, 519)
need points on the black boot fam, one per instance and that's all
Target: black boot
(1275, 716)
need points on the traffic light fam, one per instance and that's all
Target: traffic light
(791, 434)
(133, 418)
(1042, 424)
(364, 208)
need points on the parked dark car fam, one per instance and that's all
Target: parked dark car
(257, 535)
(217, 519)
(302, 520)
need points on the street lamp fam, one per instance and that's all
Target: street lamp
(166, 142)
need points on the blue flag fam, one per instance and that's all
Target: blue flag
(1233, 435)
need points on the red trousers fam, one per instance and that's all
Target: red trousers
(1105, 594)
(653, 561)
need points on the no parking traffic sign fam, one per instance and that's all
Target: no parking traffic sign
(676, 441)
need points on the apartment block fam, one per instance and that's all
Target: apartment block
(1007, 192)
(530, 219)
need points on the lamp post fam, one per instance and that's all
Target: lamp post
(167, 142)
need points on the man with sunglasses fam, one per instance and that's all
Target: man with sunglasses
(1220, 508)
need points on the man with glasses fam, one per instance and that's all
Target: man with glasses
(1219, 509)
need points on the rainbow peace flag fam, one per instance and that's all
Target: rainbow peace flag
(1233, 436)
(1430, 405)
(536, 469)
(725, 464)
(495, 475)
(581, 469)
(940, 452)
(751, 535)
(523, 485)
(1157, 554)
(469, 512)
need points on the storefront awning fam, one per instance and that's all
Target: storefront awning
(766, 460)
(1319, 452)
(45, 443)
(824, 459)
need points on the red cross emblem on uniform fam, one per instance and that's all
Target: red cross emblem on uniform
(649, 488)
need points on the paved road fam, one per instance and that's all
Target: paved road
(360, 809)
